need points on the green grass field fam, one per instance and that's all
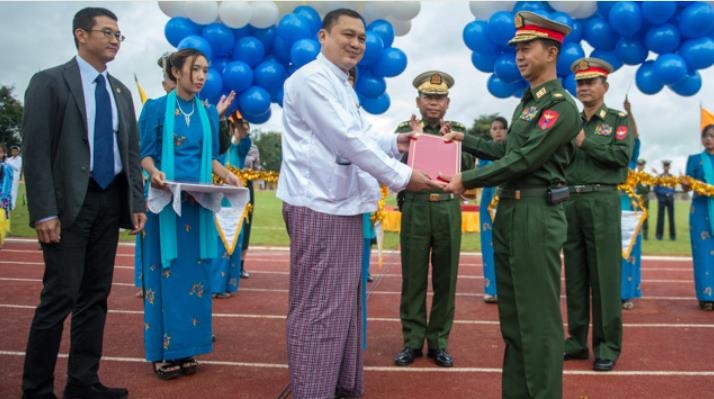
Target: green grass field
(269, 229)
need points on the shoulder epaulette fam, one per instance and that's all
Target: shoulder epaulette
(621, 114)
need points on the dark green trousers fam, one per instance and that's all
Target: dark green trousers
(593, 255)
(429, 229)
(527, 237)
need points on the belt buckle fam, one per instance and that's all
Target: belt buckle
(434, 197)
(517, 194)
(579, 188)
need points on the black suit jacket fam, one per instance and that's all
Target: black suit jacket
(56, 147)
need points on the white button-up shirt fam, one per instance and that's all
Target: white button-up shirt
(322, 126)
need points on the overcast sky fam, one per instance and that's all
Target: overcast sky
(37, 35)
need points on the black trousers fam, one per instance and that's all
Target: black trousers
(77, 280)
(668, 203)
(249, 222)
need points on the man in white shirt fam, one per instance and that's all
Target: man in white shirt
(332, 160)
(15, 162)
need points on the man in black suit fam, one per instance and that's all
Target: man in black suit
(83, 182)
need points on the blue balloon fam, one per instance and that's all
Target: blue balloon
(373, 48)
(219, 64)
(662, 38)
(311, 16)
(237, 76)
(369, 85)
(198, 43)
(476, 38)
(698, 53)
(520, 88)
(375, 105)
(504, 67)
(483, 62)
(292, 28)
(384, 29)
(658, 12)
(258, 119)
(631, 50)
(219, 37)
(696, 20)
(392, 62)
(669, 68)
(213, 85)
(646, 80)
(276, 95)
(604, 7)
(499, 88)
(178, 28)
(304, 51)
(245, 31)
(538, 7)
(563, 18)
(254, 101)
(500, 28)
(569, 53)
(281, 50)
(689, 85)
(267, 37)
(570, 84)
(625, 18)
(269, 74)
(249, 50)
(609, 56)
(599, 33)
(576, 34)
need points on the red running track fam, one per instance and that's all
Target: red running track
(668, 351)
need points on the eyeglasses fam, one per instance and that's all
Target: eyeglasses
(108, 33)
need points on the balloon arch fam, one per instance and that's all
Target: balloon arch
(253, 47)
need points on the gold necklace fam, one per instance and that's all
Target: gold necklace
(186, 116)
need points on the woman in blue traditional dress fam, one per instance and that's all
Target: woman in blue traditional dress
(226, 268)
(179, 142)
(498, 131)
(630, 267)
(701, 221)
(6, 175)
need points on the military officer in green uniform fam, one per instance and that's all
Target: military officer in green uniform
(530, 227)
(430, 228)
(593, 250)
(643, 190)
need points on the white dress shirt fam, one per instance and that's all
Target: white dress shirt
(89, 75)
(321, 123)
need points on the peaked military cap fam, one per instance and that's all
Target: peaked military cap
(433, 82)
(666, 162)
(588, 68)
(641, 161)
(531, 26)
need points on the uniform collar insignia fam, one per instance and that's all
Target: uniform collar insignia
(540, 93)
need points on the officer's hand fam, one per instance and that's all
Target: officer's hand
(579, 138)
(420, 181)
(458, 136)
(444, 127)
(415, 124)
(455, 184)
(48, 232)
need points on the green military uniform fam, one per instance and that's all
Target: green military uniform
(430, 227)
(593, 250)
(643, 190)
(529, 229)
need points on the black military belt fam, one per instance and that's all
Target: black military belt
(431, 197)
(591, 188)
(510, 193)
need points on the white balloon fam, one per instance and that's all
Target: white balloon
(323, 7)
(265, 14)
(373, 10)
(235, 14)
(401, 28)
(564, 6)
(405, 10)
(484, 9)
(202, 12)
(172, 8)
(286, 7)
(585, 9)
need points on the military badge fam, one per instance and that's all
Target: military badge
(621, 132)
(548, 119)
(541, 93)
(529, 114)
(518, 21)
(435, 79)
(603, 129)
(582, 65)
